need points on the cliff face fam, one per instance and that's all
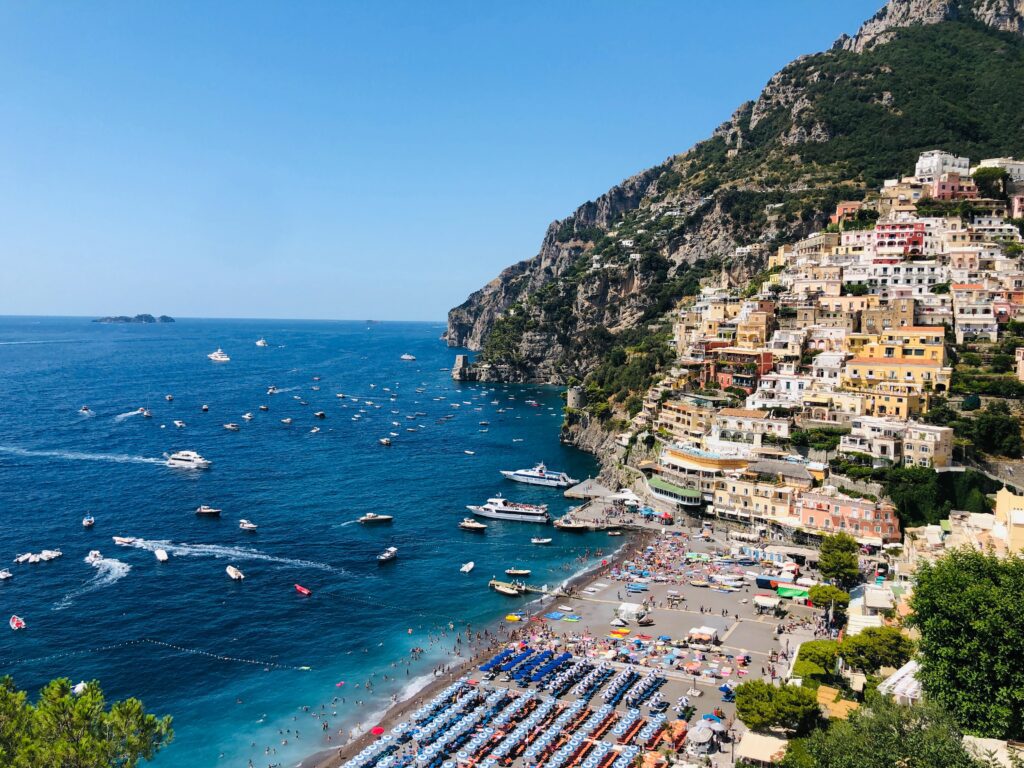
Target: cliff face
(828, 127)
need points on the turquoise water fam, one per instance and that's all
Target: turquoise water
(304, 490)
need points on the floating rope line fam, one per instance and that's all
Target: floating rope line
(151, 641)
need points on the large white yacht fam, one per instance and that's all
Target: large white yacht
(540, 475)
(500, 508)
(187, 460)
(219, 356)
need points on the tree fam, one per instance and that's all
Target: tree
(820, 652)
(761, 706)
(828, 597)
(876, 647)
(991, 182)
(967, 608)
(997, 430)
(883, 735)
(838, 560)
(62, 729)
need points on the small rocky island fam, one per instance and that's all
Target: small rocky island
(136, 319)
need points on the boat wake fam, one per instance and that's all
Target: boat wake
(108, 571)
(77, 456)
(233, 553)
(122, 416)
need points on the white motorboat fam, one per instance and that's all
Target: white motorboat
(614, 533)
(517, 571)
(500, 508)
(161, 555)
(146, 413)
(219, 356)
(373, 517)
(539, 475)
(84, 409)
(512, 589)
(49, 554)
(385, 441)
(231, 427)
(538, 540)
(205, 509)
(407, 356)
(94, 556)
(5, 575)
(272, 390)
(169, 398)
(205, 408)
(470, 453)
(469, 524)
(467, 567)
(234, 573)
(88, 521)
(568, 524)
(179, 423)
(124, 541)
(314, 430)
(264, 407)
(247, 525)
(287, 420)
(187, 460)
(319, 415)
(247, 416)
(340, 395)
(261, 342)
(23, 558)
(387, 555)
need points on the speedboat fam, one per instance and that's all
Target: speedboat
(88, 521)
(319, 415)
(94, 556)
(387, 555)
(469, 524)
(179, 423)
(124, 541)
(264, 407)
(500, 508)
(261, 342)
(16, 622)
(187, 460)
(340, 395)
(205, 408)
(539, 475)
(538, 540)
(517, 571)
(5, 575)
(505, 588)
(467, 567)
(272, 390)
(169, 398)
(470, 453)
(303, 590)
(204, 509)
(247, 525)
(247, 416)
(84, 409)
(407, 356)
(314, 430)
(219, 356)
(568, 524)
(49, 554)
(373, 517)
(231, 427)
(234, 573)
(287, 420)
(385, 441)
(161, 555)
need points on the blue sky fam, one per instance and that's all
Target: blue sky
(343, 160)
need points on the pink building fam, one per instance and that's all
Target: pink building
(827, 510)
(953, 186)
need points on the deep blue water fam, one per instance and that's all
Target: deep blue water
(302, 489)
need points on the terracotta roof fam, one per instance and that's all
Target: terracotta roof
(963, 286)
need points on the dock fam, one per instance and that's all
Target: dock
(588, 489)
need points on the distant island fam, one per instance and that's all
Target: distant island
(136, 319)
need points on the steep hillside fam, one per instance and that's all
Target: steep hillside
(920, 74)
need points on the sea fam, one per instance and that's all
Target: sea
(241, 665)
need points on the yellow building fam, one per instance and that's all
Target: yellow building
(911, 343)
(1009, 517)
(869, 373)
(685, 421)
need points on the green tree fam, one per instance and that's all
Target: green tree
(838, 559)
(885, 735)
(62, 729)
(826, 596)
(967, 608)
(997, 430)
(991, 182)
(820, 652)
(876, 647)
(761, 706)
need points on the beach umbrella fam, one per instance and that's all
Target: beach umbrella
(377, 730)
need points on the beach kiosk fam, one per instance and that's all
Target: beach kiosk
(630, 612)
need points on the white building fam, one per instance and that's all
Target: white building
(935, 162)
(1012, 166)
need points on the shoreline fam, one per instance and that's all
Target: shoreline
(336, 756)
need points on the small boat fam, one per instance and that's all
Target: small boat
(302, 590)
(568, 524)
(5, 575)
(538, 540)
(264, 407)
(16, 622)
(205, 408)
(385, 441)
(387, 555)
(340, 395)
(470, 453)
(272, 390)
(517, 571)
(88, 521)
(485, 423)
(207, 510)
(505, 588)
(247, 416)
(319, 415)
(84, 409)
(469, 524)
(467, 567)
(94, 556)
(234, 573)
(231, 427)
(699, 583)
(161, 555)
(179, 423)
(146, 414)
(287, 420)
(124, 541)
(219, 356)
(261, 342)
(314, 430)
(407, 357)
(49, 554)
(614, 533)
(372, 517)
(247, 525)
(169, 398)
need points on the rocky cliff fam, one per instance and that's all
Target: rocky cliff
(920, 74)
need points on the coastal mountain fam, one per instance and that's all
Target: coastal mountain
(590, 306)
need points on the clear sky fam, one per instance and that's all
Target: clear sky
(343, 160)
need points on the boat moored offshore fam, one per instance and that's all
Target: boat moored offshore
(219, 356)
(187, 460)
(500, 508)
(539, 475)
(373, 517)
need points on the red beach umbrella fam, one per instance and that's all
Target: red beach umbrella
(377, 730)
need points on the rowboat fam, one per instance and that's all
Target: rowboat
(234, 573)
(517, 571)
(467, 567)
(302, 590)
